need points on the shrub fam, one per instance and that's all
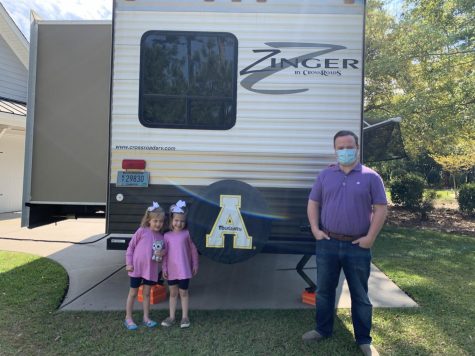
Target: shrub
(466, 198)
(434, 178)
(397, 173)
(407, 191)
(427, 204)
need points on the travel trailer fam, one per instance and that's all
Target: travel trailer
(228, 105)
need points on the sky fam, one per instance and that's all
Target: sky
(19, 10)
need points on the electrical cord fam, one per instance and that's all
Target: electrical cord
(55, 241)
(91, 288)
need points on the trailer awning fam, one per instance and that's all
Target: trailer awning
(383, 141)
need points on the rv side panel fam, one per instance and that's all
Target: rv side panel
(69, 117)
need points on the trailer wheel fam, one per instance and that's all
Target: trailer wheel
(229, 222)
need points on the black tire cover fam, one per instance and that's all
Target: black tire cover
(205, 218)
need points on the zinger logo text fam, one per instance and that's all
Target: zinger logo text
(306, 64)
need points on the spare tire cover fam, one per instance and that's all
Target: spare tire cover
(229, 222)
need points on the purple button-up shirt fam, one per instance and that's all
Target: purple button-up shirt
(346, 200)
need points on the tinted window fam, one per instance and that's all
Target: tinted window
(188, 80)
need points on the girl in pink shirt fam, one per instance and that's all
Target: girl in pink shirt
(142, 268)
(180, 263)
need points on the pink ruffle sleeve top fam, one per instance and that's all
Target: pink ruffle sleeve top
(181, 257)
(139, 254)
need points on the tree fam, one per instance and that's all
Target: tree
(461, 160)
(436, 39)
(421, 67)
(381, 67)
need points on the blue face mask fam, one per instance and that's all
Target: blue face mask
(346, 156)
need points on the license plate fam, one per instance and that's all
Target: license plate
(132, 179)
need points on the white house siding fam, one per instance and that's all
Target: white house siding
(14, 76)
(12, 148)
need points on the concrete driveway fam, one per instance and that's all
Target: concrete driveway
(98, 281)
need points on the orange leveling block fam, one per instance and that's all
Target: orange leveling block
(158, 294)
(309, 297)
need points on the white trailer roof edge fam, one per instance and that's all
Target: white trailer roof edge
(269, 6)
(73, 22)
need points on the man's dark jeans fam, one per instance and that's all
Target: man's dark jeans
(333, 255)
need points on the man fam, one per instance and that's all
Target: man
(346, 209)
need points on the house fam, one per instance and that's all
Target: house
(14, 50)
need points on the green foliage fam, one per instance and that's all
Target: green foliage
(436, 42)
(397, 172)
(421, 67)
(407, 191)
(427, 204)
(380, 70)
(461, 159)
(421, 164)
(466, 198)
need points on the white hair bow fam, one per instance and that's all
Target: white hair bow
(153, 207)
(178, 207)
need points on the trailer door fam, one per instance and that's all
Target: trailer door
(67, 134)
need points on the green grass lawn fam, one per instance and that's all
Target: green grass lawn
(445, 198)
(435, 269)
(445, 195)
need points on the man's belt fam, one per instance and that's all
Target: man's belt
(341, 237)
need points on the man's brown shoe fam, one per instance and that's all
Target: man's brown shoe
(312, 335)
(369, 350)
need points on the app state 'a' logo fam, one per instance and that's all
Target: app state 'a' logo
(229, 222)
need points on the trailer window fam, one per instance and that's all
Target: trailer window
(188, 80)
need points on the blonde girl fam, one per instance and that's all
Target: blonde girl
(142, 268)
(179, 264)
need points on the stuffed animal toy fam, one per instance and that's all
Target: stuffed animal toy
(157, 246)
